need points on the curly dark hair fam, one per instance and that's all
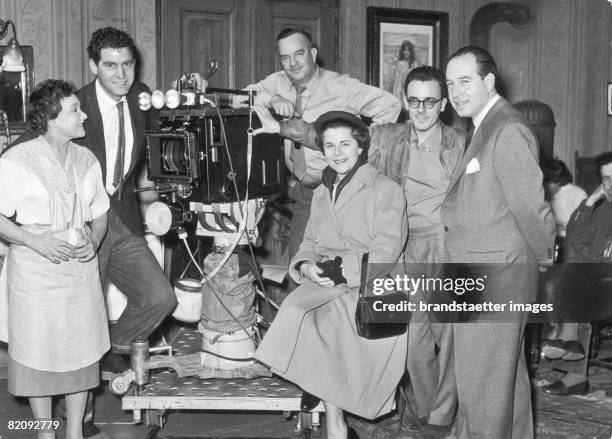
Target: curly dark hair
(425, 74)
(602, 160)
(109, 37)
(45, 103)
(555, 171)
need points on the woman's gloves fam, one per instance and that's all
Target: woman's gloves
(332, 269)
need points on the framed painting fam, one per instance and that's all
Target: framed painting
(400, 40)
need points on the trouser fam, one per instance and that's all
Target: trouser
(300, 210)
(431, 373)
(126, 261)
(492, 380)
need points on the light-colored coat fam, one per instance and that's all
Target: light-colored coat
(495, 212)
(313, 341)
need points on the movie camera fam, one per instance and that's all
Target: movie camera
(206, 164)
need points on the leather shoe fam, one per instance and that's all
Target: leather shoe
(91, 431)
(351, 433)
(574, 350)
(559, 388)
(113, 364)
(553, 349)
(308, 402)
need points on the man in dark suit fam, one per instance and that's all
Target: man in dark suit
(496, 219)
(115, 133)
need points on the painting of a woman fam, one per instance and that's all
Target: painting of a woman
(406, 61)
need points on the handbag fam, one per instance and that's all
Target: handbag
(373, 324)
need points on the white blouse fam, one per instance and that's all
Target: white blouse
(23, 193)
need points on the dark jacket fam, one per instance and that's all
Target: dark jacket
(128, 207)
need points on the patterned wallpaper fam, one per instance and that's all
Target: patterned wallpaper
(59, 31)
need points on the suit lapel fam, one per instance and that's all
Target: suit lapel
(477, 143)
(94, 126)
(138, 122)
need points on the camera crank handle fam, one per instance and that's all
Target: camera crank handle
(155, 188)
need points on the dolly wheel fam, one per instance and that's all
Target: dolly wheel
(120, 383)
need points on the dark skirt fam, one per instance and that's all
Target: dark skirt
(25, 381)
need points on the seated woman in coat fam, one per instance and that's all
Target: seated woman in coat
(313, 340)
(57, 329)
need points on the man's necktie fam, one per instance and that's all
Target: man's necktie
(297, 152)
(469, 135)
(118, 174)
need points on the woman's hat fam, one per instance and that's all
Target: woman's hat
(338, 116)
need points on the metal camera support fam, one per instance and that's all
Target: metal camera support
(157, 390)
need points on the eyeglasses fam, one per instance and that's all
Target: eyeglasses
(428, 103)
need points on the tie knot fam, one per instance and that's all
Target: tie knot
(470, 126)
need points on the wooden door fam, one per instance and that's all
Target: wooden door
(240, 34)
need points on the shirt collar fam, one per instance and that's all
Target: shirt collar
(431, 142)
(312, 83)
(480, 117)
(105, 102)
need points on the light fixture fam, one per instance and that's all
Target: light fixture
(12, 61)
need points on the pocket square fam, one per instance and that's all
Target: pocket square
(473, 166)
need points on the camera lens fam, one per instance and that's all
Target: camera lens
(175, 156)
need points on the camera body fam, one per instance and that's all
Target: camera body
(190, 151)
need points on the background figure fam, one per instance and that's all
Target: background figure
(406, 61)
(564, 198)
(57, 328)
(582, 293)
(313, 340)
(494, 213)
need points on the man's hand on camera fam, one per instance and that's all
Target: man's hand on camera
(240, 101)
(268, 123)
(281, 106)
(198, 81)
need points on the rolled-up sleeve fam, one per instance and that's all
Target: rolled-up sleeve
(379, 105)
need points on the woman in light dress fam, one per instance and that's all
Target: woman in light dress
(57, 330)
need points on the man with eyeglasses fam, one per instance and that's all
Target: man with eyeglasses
(303, 91)
(420, 155)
